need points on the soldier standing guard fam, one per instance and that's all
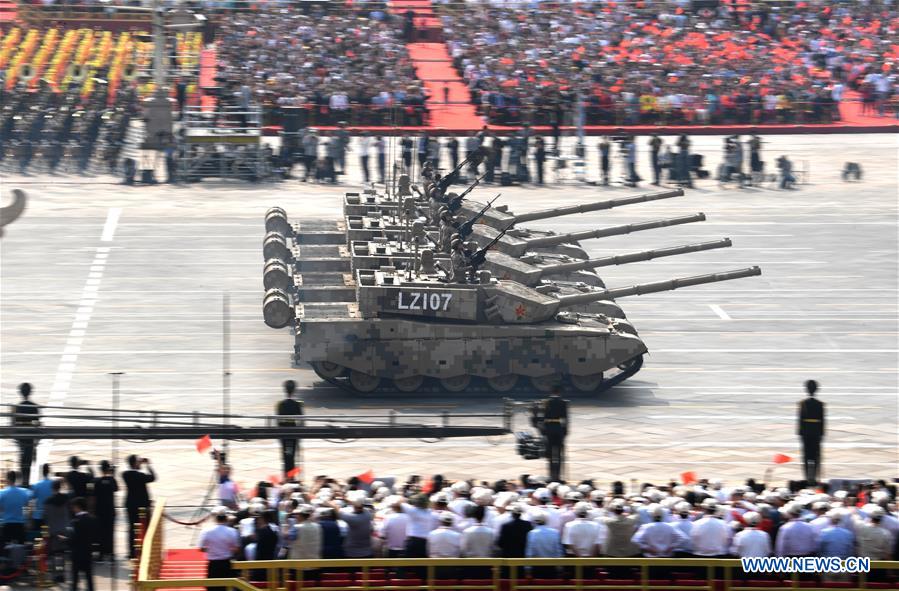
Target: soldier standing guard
(289, 407)
(550, 417)
(26, 414)
(811, 430)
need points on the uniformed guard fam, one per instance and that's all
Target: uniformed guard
(459, 260)
(811, 430)
(555, 429)
(289, 407)
(26, 414)
(447, 229)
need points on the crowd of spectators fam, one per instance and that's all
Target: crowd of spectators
(364, 518)
(339, 65)
(649, 62)
(74, 512)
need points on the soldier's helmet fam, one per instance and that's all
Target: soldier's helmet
(471, 246)
(456, 243)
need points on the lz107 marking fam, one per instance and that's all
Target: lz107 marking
(424, 301)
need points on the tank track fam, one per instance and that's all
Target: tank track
(479, 385)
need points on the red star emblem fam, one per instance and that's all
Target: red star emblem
(520, 310)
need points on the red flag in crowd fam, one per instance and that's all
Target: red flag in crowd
(781, 458)
(427, 487)
(294, 473)
(203, 443)
(274, 479)
(688, 477)
(367, 477)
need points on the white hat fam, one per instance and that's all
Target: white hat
(446, 518)
(653, 494)
(562, 490)
(584, 489)
(573, 495)
(543, 494)
(517, 508)
(749, 496)
(220, 510)
(539, 517)
(820, 506)
(461, 487)
(656, 511)
(709, 503)
(683, 507)
(751, 518)
(876, 512)
(794, 508)
(835, 514)
(483, 497)
(582, 509)
(597, 495)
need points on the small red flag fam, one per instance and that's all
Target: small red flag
(294, 473)
(203, 443)
(427, 487)
(275, 479)
(782, 458)
(688, 477)
(367, 477)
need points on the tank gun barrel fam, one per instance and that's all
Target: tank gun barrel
(595, 206)
(635, 257)
(545, 241)
(645, 288)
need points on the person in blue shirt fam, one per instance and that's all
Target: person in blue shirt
(544, 542)
(12, 509)
(42, 490)
(835, 540)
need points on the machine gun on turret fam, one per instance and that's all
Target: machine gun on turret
(465, 229)
(448, 179)
(456, 202)
(480, 257)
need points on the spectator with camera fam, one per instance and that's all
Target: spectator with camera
(137, 499)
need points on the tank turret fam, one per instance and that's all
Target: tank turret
(520, 270)
(499, 217)
(517, 242)
(388, 293)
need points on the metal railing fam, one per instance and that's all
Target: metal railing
(490, 574)
(152, 545)
(575, 574)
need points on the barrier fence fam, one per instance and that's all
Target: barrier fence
(492, 574)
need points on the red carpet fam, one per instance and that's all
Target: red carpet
(184, 564)
(435, 68)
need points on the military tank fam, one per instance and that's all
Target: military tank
(409, 330)
(393, 226)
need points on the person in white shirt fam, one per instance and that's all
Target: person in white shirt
(219, 543)
(445, 542)
(684, 522)
(421, 523)
(477, 539)
(305, 537)
(393, 528)
(365, 143)
(710, 536)
(583, 537)
(477, 542)
(752, 541)
(658, 539)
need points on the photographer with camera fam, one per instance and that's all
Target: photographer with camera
(136, 478)
(79, 482)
